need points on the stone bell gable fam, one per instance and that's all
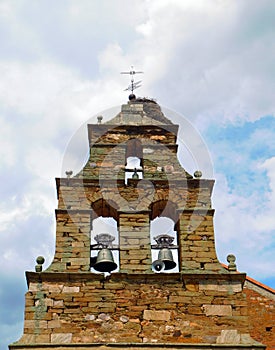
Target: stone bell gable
(135, 289)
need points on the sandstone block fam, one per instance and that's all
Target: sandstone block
(68, 289)
(42, 338)
(160, 315)
(236, 287)
(34, 287)
(229, 336)
(61, 338)
(54, 288)
(179, 299)
(35, 324)
(58, 303)
(191, 287)
(217, 310)
(28, 338)
(48, 302)
(54, 324)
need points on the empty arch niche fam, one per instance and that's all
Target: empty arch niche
(105, 208)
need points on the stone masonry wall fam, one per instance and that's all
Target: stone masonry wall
(81, 200)
(171, 308)
(261, 315)
(197, 245)
(135, 246)
(108, 144)
(73, 240)
(134, 207)
(75, 194)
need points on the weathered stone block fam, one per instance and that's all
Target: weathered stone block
(217, 310)
(229, 336)
(54, 324)
(68, 289)
(61, 338)
(153, 315)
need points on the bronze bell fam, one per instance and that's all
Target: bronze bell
(105, 261)
(165, 255)
(135, 174)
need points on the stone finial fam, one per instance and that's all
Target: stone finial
(99, 119)
(40, 261)
(132, 97)
(198, 174)
(231, 260)
(69, 173)
(169, 169)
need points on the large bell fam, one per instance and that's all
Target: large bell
(166, 257)
(105, 261)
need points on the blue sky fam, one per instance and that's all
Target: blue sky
(211, 61)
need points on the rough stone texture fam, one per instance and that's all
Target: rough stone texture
(141, 112)
(261, 313)
(73, 241)
(69, 304)
(61, 338)
(229, 336)
(130, 308)
(153, 315)
(165, 190)
(217, 310)
(221, 287)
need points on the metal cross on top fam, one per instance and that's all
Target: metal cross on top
(134, 85)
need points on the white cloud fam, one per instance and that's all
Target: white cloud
(27, 230)
(29, 88)
(269, 166)
(207, 56)
(43, 162)
(245, 227)
(7, 144)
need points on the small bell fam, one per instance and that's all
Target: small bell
(165, 256)
(135, 175)
(105, 261)
(158, 265)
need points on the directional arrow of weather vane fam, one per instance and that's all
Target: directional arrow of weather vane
(134, 85)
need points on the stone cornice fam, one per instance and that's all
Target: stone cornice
(188, 183)
(180, 277)
(73, 211)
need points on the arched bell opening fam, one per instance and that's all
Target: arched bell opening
(164, 208)
(133, 160)
(104, 208)
(104, 245)
(164, 237)
(104, 238)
